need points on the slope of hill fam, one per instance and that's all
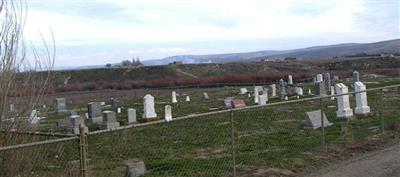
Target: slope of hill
(195, 72)
(316, 52)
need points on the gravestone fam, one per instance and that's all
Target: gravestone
(286, 98)
(132, 115)
(115, 103)
(243, 91)
(33, 118)
(148, 107)
(290, 80)
(102, 103)
(313, 120)
(309, 92)
(282, 90)
(135, 168)
(168, 113)
(299, 91)
(174, 100)
(109, 120)
(60, 106)
(238, 103)
(319, 78)
(344, 110)
(205, 95)
(257, 90)
(74, 122)
(273, 90)
(320, 88)
(94, 112)
(356, 76)
(12, 108)
(263, 98)
(188, 98)
(228, 102)
(249, 95)
(335, 78)
(332, 92)
(327, 80)
(60, 123)
(362, 107)
(119, 110)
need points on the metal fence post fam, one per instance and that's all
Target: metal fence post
(322, 123)
(233, 144)
(380, 110)
(83, 149)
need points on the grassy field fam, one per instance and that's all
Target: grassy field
(268, 137)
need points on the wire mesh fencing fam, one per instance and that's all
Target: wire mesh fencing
(270, 140)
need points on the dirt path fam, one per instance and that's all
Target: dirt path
(185, 73)
(381, 163)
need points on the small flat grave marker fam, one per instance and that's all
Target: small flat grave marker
(238, 103)
(313, 120)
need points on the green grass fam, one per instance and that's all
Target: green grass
(201, 146)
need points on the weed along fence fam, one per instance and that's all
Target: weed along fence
(283, 139)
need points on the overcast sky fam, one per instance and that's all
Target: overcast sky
(95, 32)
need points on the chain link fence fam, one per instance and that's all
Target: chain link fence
(254, 141)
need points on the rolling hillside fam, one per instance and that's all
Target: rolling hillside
(317, 52)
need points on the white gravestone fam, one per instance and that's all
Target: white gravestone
(286, 98)
(299, 91)
(148, 107)
(332, 92)
(12, 108)
(33, 118)
(290, 80)
(344, 110)
(313, 120)
(362, 107)
(205, 95)
(109, 120)
(273, 89)
(320, 78)
(243, 91)
(168, 113)
(174, 100)
(188, 98)
(131, 115)
(257, 90)
(263, 98)
(309, 92)
(119, 110)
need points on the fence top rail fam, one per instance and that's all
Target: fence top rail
(19, 146)
(187, 117)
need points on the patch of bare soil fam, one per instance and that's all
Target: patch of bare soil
(208, 153)
(247, 171)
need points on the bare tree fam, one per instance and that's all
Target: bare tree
(20, 82)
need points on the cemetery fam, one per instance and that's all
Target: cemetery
(196, 138)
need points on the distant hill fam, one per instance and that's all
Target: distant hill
(316, 52)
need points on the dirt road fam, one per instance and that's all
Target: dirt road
(381, 163)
